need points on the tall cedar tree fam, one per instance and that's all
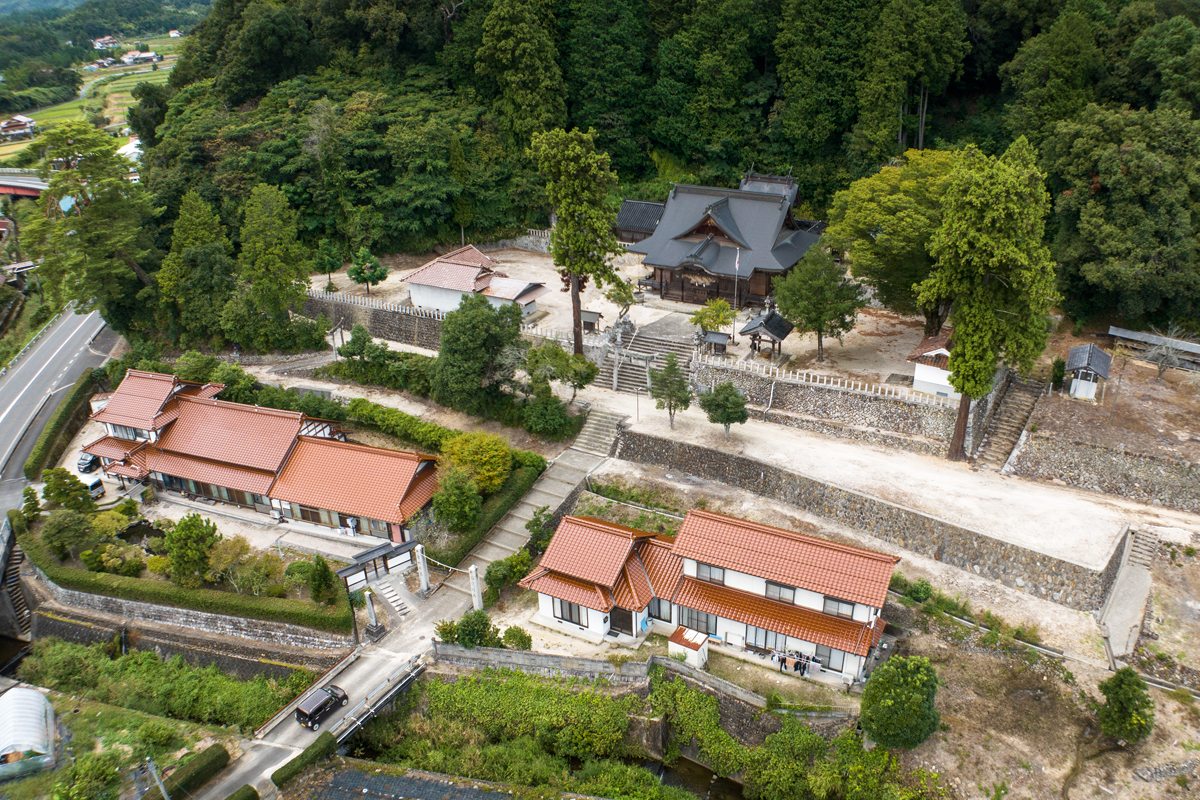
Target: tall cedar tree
(886, 222)
(993, 262)
(195, 281)
(725, 406)
(468, 370)
(670, 389)
(578, 184)
(188, 544)
(898, 702)
(815, 295)
(518, 53)
(90, 229)
(366, 269)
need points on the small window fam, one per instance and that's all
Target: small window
(379, 525)
(698, 620)
(711, 574)
(839, 608)
(777, 591)
(831, 660)
(310, 514)
(660, 609)
(570, 612)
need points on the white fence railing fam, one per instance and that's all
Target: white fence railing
(828, 381)
(557, 334)
(535, 233)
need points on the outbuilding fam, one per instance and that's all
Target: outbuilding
(443, 283)
(27, 733)
(1087, 365)
(770, 326)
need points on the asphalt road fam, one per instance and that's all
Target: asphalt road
(44, 373)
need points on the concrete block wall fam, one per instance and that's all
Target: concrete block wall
(255, 630)
(1045, 576)
(1146, 478)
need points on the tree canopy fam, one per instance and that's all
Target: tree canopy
(898, 702)
(816, 296)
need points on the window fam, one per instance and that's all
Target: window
(711, 574)
(379, 527)
(831, 660)
(310, 514)
(698, 620)
(777, 591)
(660, 609)
(570, 612)
(763, 639)
(259, 500)
(126, 432)
(839, 608)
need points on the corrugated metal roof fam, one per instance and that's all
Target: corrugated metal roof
(639, 215)
(792, 559)
(1153, 339)
(802, 623)
(26, 722)
(1088, 356)
(513, 289)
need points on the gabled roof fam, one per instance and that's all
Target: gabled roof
(513, 289)
(758, 223)
(112, 447)
(204, 470)
(792, 559)
(144, 399)
(638, 215)
(233, 433)
(802, 623)
(771, 324)
(664, 567)
(354, 479)
(468, 270)
(581, 593)
(591, 550)
(934, 351)
(1088, 356)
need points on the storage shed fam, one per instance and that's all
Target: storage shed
(26, 733)
(1087, 365)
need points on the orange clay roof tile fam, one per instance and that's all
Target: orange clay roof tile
(138, 399)
(591, 549)
(801, 623)
(233, 433)
(231, 476)
(663, 567)
(847, 573)
(563, 587)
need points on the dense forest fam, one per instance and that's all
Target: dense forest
(38, 47)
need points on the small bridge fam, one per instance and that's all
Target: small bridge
(21, 183)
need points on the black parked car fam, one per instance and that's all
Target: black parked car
(88, 463)
(319, 704)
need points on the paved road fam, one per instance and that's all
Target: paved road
(49, 368)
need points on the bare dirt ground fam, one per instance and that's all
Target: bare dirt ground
(1025, 727)
(1155, 417)
(1176, 587)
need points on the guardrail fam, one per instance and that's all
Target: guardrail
(537, 234)
(288, 709)
(383, 693)
(29, 344)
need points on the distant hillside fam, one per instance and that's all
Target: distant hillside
(15, 6)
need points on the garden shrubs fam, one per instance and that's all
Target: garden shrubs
(517, 638)
(506, 572)
(192, 773)
(898, 702)
(188, 545)
(324, 747)
(396, 423)
(486, 458)
(1128, 711)
(457, 503)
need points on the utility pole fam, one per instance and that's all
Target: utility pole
(157, 779)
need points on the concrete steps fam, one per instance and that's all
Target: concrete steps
(596, 437)
(631, 377)
(1142, 549)
(387, 592)
(1009, 421)
(12, 584)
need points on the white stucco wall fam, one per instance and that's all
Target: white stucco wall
(434, 297)
(932, 380)
(594, 631)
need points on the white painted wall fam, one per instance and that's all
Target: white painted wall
(1083, 390)
(435, 297)
(932, 380)
(595, 631)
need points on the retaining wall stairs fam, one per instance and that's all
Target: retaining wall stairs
(1010, 419)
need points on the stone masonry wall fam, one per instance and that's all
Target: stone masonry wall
(1034, 573)
(256, 630)
(1116, 472)
(412, 329)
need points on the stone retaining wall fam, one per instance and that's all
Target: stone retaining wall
(412, 329)
(255, 630)
(913, 444)
(1045, 576)
(1139, 477)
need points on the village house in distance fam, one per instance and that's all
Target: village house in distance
(728, 244)
(443, 283)
(807, 601)
(177, 436)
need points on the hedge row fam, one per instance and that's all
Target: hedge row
(423, 434)
(324, 747)
(192, 773)
(59, 431)
(296, 612)
(519, 482)
(247, 792)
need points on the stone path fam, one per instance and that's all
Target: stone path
(388, 592)
(1009, 421)
(551, 489)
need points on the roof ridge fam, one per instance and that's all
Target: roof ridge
(212, 401)
(796, 535)
(321, 440)
(745, 194)
(597, 523)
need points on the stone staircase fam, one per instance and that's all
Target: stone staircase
(12, 585)
(630, 377)
(1010, 419)
(599, 432)
(1142, 549)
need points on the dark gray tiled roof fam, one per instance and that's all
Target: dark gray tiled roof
(716, 337)
(1088, 356)
(638, 215)
(770, 324)
(1153, 339)
(754, 220)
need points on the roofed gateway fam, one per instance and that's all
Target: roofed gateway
(728, 244)
(177, 436)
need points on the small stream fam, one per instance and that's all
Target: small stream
(695, 778)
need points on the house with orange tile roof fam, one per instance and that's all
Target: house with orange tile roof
(179, 437)
(745, 585)
(443, 283)
(931, 370)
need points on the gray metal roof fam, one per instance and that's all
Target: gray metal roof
(1088, 356)
(1153, 339)
(638, 215)
(716, 337)
(771, 324)
(26, 722)
(755, 222)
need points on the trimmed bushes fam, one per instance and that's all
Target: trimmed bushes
(324, 747)
(396, 423)
(247, 792)
(494, 508)
(296, 612)
(192, 773)
(64, 423)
